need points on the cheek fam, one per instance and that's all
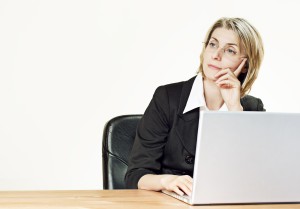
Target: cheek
(205, 58)
(231, 65)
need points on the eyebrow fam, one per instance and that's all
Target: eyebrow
(226, 43)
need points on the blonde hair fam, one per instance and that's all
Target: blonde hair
(249, 40)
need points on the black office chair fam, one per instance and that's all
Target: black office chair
(118, 138)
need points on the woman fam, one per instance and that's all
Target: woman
(163, 152)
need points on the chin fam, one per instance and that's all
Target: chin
(210, 76)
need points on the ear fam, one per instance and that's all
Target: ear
(242, 77)
(245, 68)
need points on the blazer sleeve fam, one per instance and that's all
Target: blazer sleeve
(251, 103)
(260, 106)
(151, 137)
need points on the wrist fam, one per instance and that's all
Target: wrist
(164, 180)
(238, 107)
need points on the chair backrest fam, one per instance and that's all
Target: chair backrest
(118, 138)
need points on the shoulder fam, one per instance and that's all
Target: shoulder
(175, 89)
(174, 95)
(251, 103)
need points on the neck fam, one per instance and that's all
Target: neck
(212, 95)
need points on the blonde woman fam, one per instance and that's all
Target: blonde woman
(163, 153)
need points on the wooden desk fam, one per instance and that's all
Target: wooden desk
(120, 199)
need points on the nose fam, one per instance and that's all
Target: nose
(217, 54)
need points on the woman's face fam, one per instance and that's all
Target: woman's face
(222, 52)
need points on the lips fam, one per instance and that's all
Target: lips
(213, 67)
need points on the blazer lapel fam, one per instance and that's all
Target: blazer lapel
(186, 125)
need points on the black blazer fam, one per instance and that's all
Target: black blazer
(165, 141)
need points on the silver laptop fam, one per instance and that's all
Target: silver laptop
(246, 157)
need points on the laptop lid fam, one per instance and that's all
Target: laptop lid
(247, 157)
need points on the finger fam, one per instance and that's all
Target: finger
(187, 177)
(229, 76)
(183, 187)
(224, 77)
(188, 181)
(239, 69)
(189, 186)
(228, 84)
(178, 191)
(222, 72)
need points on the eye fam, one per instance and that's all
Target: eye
(212, 44)
(230, 51)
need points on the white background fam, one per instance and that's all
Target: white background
(68, 66)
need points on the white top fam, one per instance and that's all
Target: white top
(196, 98)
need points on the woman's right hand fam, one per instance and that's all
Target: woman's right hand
(178, 184)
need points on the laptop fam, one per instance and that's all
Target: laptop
(246, 158)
